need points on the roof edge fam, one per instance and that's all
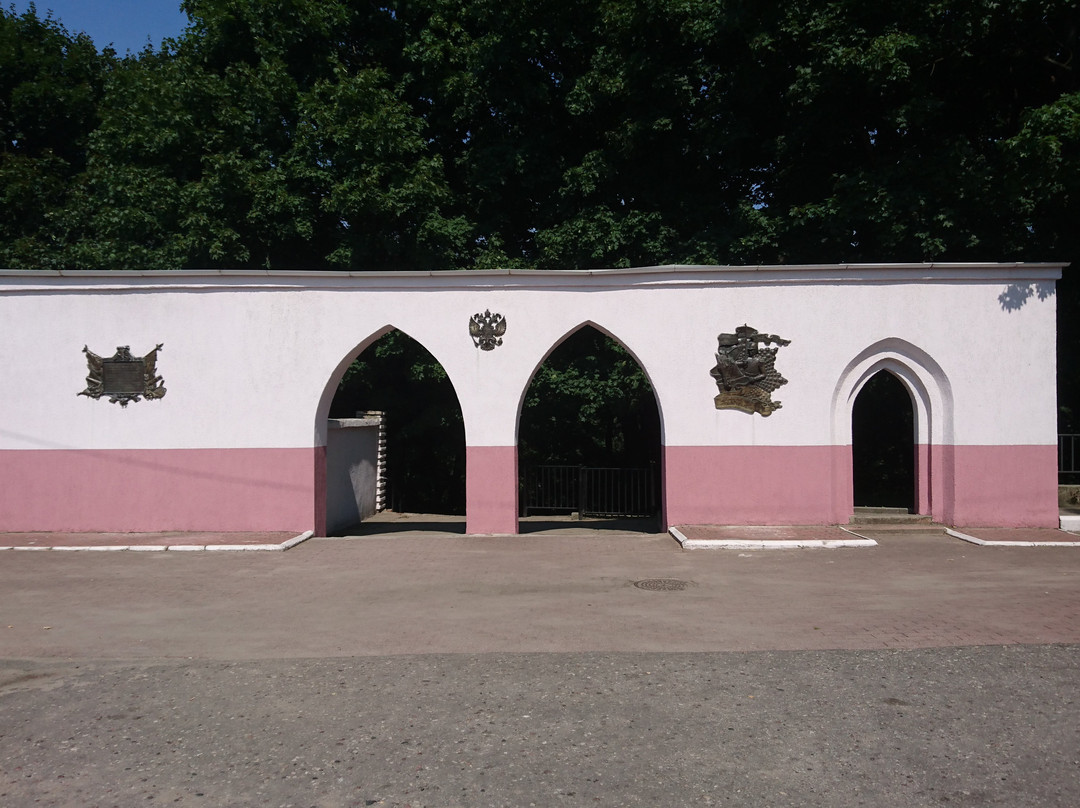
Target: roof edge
(492, 273)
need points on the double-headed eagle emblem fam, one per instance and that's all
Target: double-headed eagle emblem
(487, 330)
(745, 372)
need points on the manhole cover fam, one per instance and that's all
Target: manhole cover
(663, 584)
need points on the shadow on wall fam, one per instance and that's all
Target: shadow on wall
(1017, 294)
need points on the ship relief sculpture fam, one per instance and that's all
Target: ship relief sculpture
(745, 371)
(122, 377)
(487, 330)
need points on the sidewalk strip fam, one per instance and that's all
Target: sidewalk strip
(766, 544)
(173, 548)
(956, 534)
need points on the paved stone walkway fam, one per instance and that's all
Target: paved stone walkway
(415, 670)
(1004, 536)
(417, 593)
(388, 524)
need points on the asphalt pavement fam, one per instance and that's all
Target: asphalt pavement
(600, 669)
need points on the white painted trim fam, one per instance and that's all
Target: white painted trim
(108, 548)
(178, 548)
(295, 540)
(956, 534)
(1069, 522)
(752, 544)
(15, 280)
(925, 380)
(241, 547)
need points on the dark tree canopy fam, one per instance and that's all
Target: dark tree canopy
(466, 133)
(51, 87)
(589, 404)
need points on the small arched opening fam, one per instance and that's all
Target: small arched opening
(883, 445)
(927, 391)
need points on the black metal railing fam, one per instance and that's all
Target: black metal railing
(591, 491)
(1068, 458)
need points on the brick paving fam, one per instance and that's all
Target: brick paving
(418, 593)
(1021, 534)
(448, 525)
(431, 668)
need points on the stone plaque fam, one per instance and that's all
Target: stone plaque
(123, 377)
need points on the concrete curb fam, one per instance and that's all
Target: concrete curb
(1069, 522)
(177, 548)
(956, 534)
(781, 544)
(295, 540)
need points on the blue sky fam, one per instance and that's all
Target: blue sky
(127, 24)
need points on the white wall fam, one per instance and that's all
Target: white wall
(352, 462)
(249, 358)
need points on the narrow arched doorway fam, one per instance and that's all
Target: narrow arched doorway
(589, 439)
(883, 445)
(424, 432)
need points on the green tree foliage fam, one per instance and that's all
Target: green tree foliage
(589, 404)
(622, 133)
(50, 88)
(272, 135)
(462, 133)
(894, 142)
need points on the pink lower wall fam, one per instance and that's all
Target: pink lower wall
(924, 491)
(491, 489)
(320, 507)
(285, 489)
(138, 490)
(1004, 486)
(757, 485)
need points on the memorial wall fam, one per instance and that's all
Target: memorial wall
(197, 400)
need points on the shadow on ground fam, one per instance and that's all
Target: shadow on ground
(541, 524)
(390, 522)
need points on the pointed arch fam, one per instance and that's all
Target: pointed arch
(883, 444)
(605, 463)
(611, 335)
(932, 403)
(399, 427)
(322, 411)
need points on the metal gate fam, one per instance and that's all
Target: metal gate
(590, 491)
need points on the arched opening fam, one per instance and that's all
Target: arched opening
(929, 392)
(883, 445)
(589, 439)
(397, 381)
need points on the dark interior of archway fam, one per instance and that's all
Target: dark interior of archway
(425, 433)
(589, 404)
(883, 444)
